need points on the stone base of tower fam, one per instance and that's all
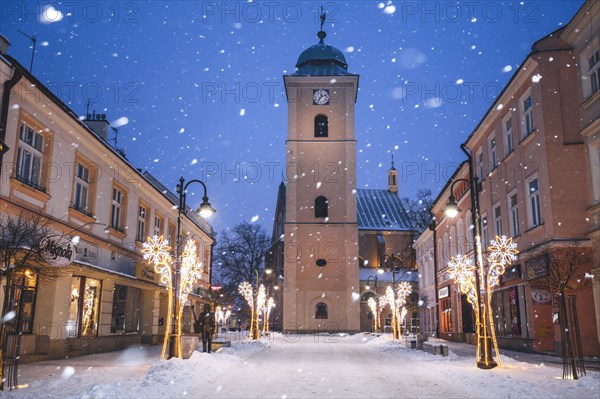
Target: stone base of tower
(321, 298)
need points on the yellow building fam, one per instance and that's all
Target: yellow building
(101, 209)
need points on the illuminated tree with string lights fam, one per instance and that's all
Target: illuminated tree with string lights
(156, 252)
(502, 252)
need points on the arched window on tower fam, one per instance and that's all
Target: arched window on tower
(321, 126)
(321, 311)
(321, 207)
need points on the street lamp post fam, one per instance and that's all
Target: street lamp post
(204, 210)
(485, 359)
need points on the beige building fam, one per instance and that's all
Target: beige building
(105, 297)
(425, 257)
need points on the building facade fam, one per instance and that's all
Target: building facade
(425, 257)
(583, 34)
(101, 208)
(535, 154)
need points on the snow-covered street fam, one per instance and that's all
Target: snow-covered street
(334, 366)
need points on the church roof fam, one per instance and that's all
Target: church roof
(381, 210)
(386, 277)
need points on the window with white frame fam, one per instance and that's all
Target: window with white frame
(469, 230)
(460, 236)
(480, 164)
(484, 234)
(115, 213)
(446, 248)
(594, 151)
(498, 220)
(453, 246)
(492, 149)
(141, 223)
(440, 254)
(534, 206)
(29, 156)
(82, 188)
(593, 72)
(157, 226)
(527, 116)
(513, 217)
(508, 135)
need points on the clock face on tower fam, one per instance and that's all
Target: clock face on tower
(320, 97)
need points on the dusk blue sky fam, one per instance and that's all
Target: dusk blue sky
(201, 82)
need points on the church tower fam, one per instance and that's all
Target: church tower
(321, 284)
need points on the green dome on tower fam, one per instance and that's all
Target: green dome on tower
(322, 60)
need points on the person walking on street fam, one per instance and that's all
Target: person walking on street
(207, 325)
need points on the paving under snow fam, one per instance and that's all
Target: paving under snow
(336, 366)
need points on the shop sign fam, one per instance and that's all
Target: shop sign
(511, 273)
(537, 267)
(87, 252)
(443, 292)
(144, 271)
(58, 250)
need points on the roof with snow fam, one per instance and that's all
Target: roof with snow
(381, 210)
(386, 277)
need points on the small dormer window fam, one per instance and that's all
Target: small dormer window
(321, 126)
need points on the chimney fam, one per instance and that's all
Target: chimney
(4, 44)
(98, 123)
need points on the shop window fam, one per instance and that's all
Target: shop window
(445, 316)
(321, 311)
(84, 307)
(507, 313)
(125, 310)
(467, 315)
(23, 292)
